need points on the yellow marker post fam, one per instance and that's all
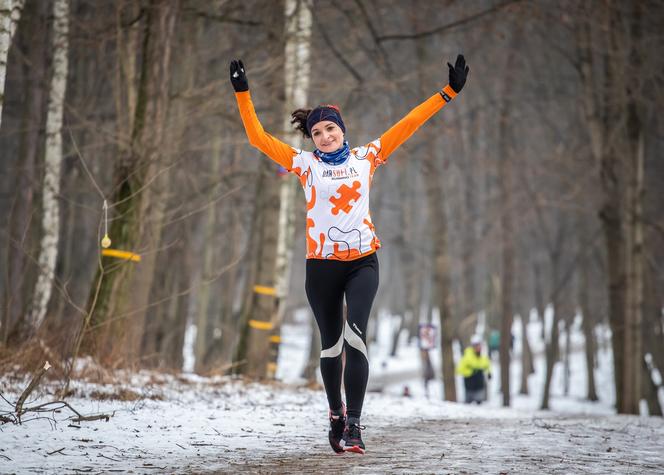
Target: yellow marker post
(264, 290)
(260, 325)
(127, 255)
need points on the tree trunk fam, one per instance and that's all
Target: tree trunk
(310, 369)
(507, 235)
(175, 317)
(568, 352)
(258, 301)
(588, 325)
(19, 287)
(167, 319)
(48, 251)
(10, 14)
(296, 83)
(552, 343)
(205, 321)
(120, 290)
(633, 345)
(526, 355)
(436, 201)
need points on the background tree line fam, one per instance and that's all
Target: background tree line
(538, 188)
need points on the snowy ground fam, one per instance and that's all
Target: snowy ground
(190, 424)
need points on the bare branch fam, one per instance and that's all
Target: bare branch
(449, 26)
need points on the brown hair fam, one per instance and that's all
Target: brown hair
(299, 119)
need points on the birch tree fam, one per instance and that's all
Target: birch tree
(10, 13)
(296, 73)
(52, 165)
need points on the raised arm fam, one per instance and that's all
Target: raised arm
(272, 147)
(402, 130)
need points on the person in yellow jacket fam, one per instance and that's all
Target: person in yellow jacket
(472, 367)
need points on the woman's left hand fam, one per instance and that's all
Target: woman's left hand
(458, 73)
(238, 76)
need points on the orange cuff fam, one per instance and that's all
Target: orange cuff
(448, 93)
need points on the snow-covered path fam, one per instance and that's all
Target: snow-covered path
(192, 425)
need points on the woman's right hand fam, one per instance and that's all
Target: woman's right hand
(238, 76)
(458, 73)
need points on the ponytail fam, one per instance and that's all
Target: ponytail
(299, 119)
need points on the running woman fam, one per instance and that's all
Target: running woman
(341, 238)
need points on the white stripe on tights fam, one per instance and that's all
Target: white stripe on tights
(355, 341)
(335, 350)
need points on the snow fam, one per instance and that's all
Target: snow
(190, 424)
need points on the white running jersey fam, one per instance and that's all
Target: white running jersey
(338, 220)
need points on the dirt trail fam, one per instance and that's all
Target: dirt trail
(578, 445)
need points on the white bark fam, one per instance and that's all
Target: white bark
(296, 72)
(296, 69)
(10, 13)
(52, 164)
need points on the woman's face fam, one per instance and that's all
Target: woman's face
(327, 136)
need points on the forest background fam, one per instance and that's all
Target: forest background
(537, 189)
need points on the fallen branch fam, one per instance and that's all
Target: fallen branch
(33, 384)
(49, 407)
(4, 419)
(109, 458)
(80, 418)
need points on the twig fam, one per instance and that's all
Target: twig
(2, 455)
(33, 384)
(8, 418)
(56, 451)
(109, 458)
(92, 418)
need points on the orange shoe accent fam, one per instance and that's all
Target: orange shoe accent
(355, 449)
(347, 195)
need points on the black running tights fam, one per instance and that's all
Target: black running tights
(327, 282)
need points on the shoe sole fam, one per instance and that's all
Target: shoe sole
(355, 449)
(335, 444)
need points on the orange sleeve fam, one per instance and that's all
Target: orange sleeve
(402, 130)
(272, 147)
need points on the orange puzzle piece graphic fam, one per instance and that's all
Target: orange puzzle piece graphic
(347, 194)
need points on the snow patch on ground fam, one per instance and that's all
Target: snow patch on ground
(192, 424)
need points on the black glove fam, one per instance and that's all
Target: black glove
(488, 376)
(238, 76)
(458, 73)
